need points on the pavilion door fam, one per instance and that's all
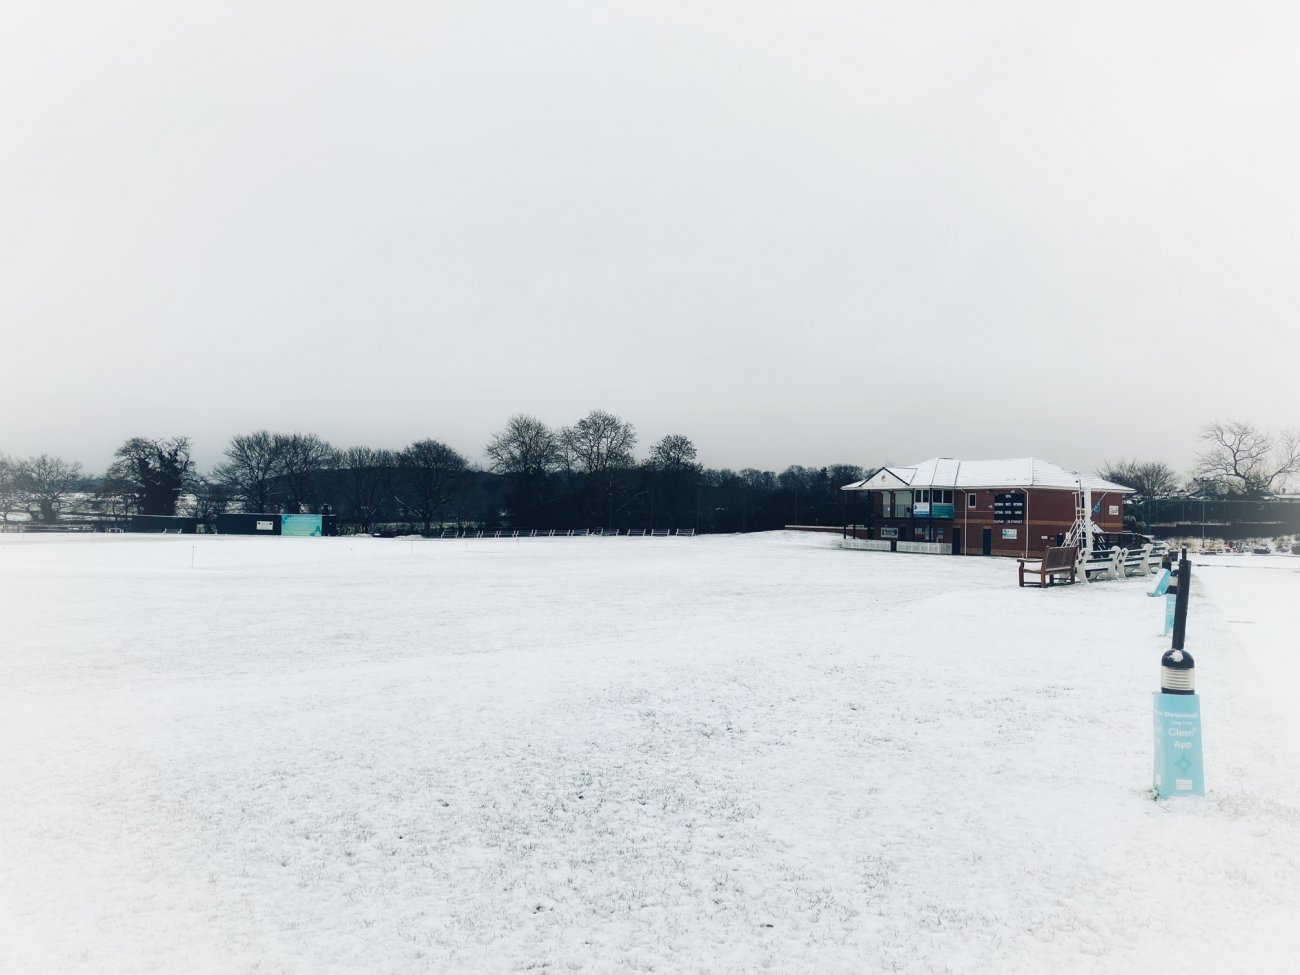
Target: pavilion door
(988, 541)
(956, 541)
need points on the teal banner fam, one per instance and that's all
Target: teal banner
(1161, 586)
(1171, 600)
(924, 509)
(1179, 767)
(303, 526)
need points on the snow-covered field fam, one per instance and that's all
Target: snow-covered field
(720, 754)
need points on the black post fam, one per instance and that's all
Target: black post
(1180, 601)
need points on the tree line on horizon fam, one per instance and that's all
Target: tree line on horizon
(580, 476)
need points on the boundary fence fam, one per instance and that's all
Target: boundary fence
(566, 533)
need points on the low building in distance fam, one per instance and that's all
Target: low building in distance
(1013, 507)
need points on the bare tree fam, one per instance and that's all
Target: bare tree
(800, 482)
(1150, 479)
(599, 446)
(118, 496)
(674, 478)
(841, 474)
(528, 452)
(11, 493)
(211, 498)
(48, 483)
(430, 474)
(148, 475)
(303, 459)
(367, 477)
(756, 485)
(796, 477)
(599, 442)
(252, 469)
(674, 453)
(1247, 459)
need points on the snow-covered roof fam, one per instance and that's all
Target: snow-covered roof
(946, 472)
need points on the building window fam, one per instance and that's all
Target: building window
(900, 502)
(972, 501)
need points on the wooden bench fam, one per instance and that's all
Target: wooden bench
(1062, 561)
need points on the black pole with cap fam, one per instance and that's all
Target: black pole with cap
(1180, 600)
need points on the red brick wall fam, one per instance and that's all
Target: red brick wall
(1048, 513)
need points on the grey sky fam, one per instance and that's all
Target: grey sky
(797, 233)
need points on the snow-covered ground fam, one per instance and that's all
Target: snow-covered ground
(720, 754)
(1258, 598)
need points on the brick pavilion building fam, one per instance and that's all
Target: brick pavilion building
(945, 506)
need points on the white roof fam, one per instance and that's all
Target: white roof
(945, 472)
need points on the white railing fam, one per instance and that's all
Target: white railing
(865, 544)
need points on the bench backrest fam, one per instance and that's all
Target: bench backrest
(1061, 557)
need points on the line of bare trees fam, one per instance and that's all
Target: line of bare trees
(583, 475)
(587, 475)
(40, 487)
(1239, 460)
(297, 472)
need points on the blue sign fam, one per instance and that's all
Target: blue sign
(1179, 767)
(1162, 583)
(303, 526)
(924, 509)
(1171, 601)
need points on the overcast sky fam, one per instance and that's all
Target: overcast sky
(797, 233)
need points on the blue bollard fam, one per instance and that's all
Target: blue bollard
(1179, 766)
